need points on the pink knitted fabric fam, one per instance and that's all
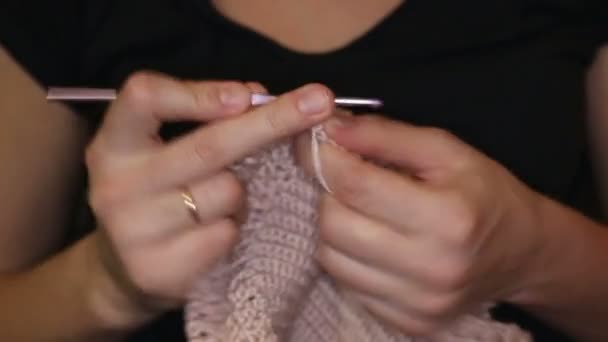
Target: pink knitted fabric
(270, 288)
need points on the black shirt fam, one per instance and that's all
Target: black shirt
(506, 76)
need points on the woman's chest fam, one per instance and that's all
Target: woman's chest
(515, 94)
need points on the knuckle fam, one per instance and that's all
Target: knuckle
(207, 152)
(208, 96)
(277, 121)
(205, 194)
(453, 275)
(462, 220)
(230, 230)
(139, 89)
(233, 192)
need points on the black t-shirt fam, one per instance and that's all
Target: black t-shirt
(506, 76)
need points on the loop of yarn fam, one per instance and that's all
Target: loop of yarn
(318, 136)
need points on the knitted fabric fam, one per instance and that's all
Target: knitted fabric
(271, 289)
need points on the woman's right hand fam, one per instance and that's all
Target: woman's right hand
(150, 249)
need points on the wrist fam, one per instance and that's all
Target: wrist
(537, 261)
(111, 300)
(564, 241)
(528, 243)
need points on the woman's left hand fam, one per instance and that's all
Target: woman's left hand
(442, 231)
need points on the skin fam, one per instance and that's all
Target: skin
(495, 239)
(103, 284)
(136, 180)
(336, 22)
(445, 229)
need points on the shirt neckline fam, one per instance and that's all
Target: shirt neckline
(363, 41)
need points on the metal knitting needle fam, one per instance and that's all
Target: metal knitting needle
(104, 94)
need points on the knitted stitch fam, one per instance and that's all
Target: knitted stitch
(271, 289)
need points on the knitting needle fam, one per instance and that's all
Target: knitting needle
(104, 94)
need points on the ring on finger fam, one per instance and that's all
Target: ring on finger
(190, 204)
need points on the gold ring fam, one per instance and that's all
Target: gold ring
(191, 205)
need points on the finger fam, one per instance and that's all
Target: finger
(209, 242)
(303, 145)
(221, 144)
(401, 319)
(425, 262)
(167, 214)
(367, 241)
(200, 247)
(217, 197)
(379, 193)
(148, 99)
(415, 149)
(373, 281)
(358, 276)
(302, 148)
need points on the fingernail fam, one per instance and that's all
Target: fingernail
(231, 97)
(313, 101)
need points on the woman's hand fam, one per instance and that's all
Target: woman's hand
(151, 248)
(439, 233)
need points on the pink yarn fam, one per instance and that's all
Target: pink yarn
(270, 288)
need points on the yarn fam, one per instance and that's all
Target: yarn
(270, 288)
